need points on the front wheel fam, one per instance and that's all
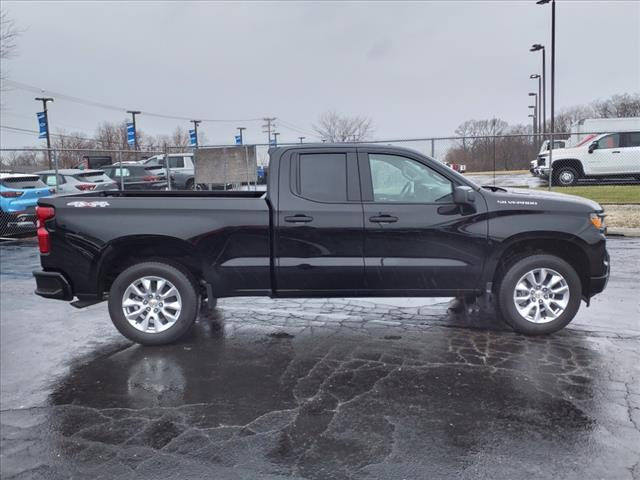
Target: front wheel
(565, 176)
(539, 295)
(153, 303)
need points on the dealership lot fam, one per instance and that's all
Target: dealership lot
(372, 388)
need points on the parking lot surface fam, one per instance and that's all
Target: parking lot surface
(320, 389)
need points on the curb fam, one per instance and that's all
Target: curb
(623, 232)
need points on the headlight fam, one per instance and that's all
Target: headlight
(597, 219)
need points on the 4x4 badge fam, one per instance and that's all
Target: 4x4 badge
(81, 204)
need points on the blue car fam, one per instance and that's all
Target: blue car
(19, 194)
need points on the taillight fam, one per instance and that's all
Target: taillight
(43, 214)
(85, 186)
(151, 178)
(52, 191)
(11, 194)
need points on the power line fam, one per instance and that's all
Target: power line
(83, 101)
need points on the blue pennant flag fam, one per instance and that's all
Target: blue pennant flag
(238, 140)
(131, 134)
(42, 124)
(193, 138)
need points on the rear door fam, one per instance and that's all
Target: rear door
(417, 241)
(319, 225)
(631, 152)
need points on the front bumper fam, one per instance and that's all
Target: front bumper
(53, 285)
(599, 283)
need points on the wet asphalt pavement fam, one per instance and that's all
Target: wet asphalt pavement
(315, 389)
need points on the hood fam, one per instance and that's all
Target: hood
(540, 199)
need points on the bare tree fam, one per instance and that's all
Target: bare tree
(616, 106)
(334, 127)
(8, 38)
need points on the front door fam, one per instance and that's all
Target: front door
(319, 234)
(607, 158)
(416, 239)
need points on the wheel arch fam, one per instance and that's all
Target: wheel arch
(565, 246)
(126, 251)
(569, 162)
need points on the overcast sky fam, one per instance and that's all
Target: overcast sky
(417, 69)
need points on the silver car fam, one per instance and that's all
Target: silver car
(73, 180)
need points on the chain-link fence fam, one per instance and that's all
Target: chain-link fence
(515, 160)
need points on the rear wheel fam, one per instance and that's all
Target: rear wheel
(153, 303)
(189, 184)
(565, 176)
(539, 294)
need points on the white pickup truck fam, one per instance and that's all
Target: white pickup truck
(604, 155)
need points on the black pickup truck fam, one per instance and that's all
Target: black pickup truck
(336, 220)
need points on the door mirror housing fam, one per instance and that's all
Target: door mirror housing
(593, 146)
(464, 195)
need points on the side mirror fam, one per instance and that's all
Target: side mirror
(464, 195)
(593, 146)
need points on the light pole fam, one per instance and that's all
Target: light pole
(275, 138)
(535, 116)
(534, 121)
(535, 127)
(240, 129)
(539, 77)
(195, 130)
(301, 139)
(44, 101)
(553, 82)
(534, 48)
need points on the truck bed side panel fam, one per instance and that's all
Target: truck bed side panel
(227, 237)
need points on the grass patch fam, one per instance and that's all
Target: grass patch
(604, 194)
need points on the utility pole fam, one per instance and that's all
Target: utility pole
(301, 139)
(195, 128)
(268, 127)
(44, 101)
(275, 139)
(135, 132)
(240, 129)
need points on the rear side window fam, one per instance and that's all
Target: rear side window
(176, 162)
(28, 181)
(633, 139)
(323, 177)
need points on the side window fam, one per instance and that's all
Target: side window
(401, 179)
(120, 172)
(323, 177)
(610, 141)
(176, 162)
(632, 139)
(51, 180)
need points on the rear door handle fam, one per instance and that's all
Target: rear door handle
(383, 219)
(298, 219)
(616, 151)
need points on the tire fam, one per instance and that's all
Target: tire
(565, 176)
(158, 329)
(551, 318)
(189, 184)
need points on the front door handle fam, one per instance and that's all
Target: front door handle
(616, 151)
(298, 219)
(383, 219)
